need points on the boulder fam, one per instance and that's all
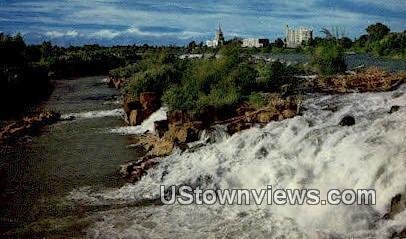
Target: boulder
(135, 118)
(111, 82)
(397, 205)
(238, 126)
(184, 133)
(162, 148)
(133, 171)
(266, 116)
(161, 127)
(288, 113)
(394, 109)
(129, 104)
(347, 120)
(178, 117)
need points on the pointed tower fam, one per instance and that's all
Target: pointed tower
(220, 36)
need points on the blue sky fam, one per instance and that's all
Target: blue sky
(108, 22)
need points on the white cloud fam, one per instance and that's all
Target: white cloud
(109, 34)
(181, 35)
(55, 34)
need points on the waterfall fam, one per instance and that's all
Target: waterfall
(146, 126)
(310, 151)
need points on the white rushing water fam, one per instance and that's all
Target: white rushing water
(309, 151)
(94, 114)
(147, 125)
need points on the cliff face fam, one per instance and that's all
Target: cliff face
(137, 110)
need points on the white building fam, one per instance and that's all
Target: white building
(296, 37)
(255, 42)
(218, 40)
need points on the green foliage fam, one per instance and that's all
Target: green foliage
(224, 81)
(257, 100)
(381, 42)
(377, 31)
(125, 71)
(155, 72)
(273, 75)
(329, 59)
(156, 78)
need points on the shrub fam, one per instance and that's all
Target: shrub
(329, 59)
(272, 76)
(157, 79)
(257, 100)
(125, 72)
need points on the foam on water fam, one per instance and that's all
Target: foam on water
(147, 125)
(309, 151)
(94, 114)
(105, 80)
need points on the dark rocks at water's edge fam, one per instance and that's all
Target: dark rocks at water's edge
(182, 128)
(115, 82)
(397, 205)
(394, 109)
(28, 126)
(347, 120)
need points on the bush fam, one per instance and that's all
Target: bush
(156, 79)
(329, 59)
(124, 72)
(272, 76)
(257, 100)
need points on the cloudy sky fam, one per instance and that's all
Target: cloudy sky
(109, 22)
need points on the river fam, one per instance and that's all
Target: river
(70, 154)
(64, 182)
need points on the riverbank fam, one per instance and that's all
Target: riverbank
(179, 129)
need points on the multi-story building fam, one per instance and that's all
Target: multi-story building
(296, 37)
(255, 42)
(218, 40)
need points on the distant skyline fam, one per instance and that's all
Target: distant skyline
(111, 22)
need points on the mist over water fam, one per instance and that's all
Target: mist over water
(309, 151)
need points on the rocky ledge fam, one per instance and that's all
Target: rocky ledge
(139, 109)
(182, 127)
(27, 126)
(368, 80)
(115, 82)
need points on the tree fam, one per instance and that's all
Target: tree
(279, 43)
(377, 31)
(345, 42)
(192, 45)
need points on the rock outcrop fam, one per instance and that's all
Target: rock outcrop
(27, 126)
(182, 128)
(137, 110)
(116, 82)
(369, 80)
(394, 109)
